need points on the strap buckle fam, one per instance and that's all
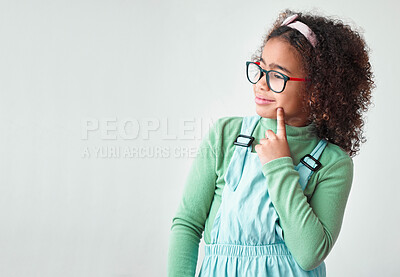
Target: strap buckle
(251, 139)
(317, 163)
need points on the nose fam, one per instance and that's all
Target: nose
(262, 83)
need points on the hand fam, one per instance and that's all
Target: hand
(274, 146)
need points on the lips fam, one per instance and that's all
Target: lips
(264, 98)
(263, 101)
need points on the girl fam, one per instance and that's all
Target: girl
(270, 190)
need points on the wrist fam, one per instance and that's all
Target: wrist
(276, 164)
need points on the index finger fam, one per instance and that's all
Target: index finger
(280, 127)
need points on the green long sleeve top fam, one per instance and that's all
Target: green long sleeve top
(310, 219)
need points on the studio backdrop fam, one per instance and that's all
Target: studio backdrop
(104, 104)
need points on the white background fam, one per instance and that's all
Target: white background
(66, 66)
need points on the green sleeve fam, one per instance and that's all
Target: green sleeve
(309, 229)
(189, 220)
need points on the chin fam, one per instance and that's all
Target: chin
(266, 112)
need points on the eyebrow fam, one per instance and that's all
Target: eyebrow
(274, 65)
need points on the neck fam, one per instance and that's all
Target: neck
(305, 131)
(298, 122)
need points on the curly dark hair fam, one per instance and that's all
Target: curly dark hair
(340, 76)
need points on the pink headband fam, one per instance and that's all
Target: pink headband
(301, 27)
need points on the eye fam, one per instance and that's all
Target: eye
(278, 76)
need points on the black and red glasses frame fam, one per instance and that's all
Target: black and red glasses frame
(283, 76)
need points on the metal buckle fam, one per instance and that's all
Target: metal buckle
(251, 139)
(318, 164)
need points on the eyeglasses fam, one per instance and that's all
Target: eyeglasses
(276, 81)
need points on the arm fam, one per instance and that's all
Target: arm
(310, 229)
(188, 223)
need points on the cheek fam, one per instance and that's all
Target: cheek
(290, 103)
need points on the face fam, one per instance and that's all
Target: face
(279, 55)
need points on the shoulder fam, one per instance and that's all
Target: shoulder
(225, 127)
(229, 121)
(335, 161)
(333, 154)
(222, 133)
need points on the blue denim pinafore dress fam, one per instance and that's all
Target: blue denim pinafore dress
(246, 239)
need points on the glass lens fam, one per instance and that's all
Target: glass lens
(276, 81)
(253, 73)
